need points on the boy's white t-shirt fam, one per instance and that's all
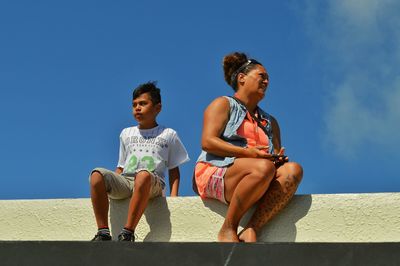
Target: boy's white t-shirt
(155, 150)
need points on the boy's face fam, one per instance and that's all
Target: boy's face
(144, 111)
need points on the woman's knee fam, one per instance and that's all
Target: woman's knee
(295, 171)
(264, 169)
(259, 173)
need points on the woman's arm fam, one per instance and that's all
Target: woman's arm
(216, 117)
(276, 132)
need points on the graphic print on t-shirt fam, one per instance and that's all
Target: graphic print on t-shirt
(155, 150)
(147, 162)
(145, 151)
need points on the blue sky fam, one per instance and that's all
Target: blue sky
(67, 70)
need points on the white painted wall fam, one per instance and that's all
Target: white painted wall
(308, 218)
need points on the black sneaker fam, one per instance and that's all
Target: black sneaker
(126, 236)
(101, 237)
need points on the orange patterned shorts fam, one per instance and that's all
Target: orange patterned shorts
(210, 181)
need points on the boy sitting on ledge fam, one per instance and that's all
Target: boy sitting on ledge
(146, 151)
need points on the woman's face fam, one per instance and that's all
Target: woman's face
(255, 81)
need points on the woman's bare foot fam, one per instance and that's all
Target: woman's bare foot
(227, 235)
(248, 235)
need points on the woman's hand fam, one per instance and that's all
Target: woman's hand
(280, 159)
(262, 152)
(257, 152)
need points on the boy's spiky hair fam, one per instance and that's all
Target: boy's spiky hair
(149, 87)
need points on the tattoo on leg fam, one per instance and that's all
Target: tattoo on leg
(290, 181)
(273, 201)
(239, 202)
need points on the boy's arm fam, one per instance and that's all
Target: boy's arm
(119, 170)
(174, 177)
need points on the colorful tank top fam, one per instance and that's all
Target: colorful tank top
(254, 135)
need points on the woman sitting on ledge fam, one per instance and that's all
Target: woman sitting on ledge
(242, 163)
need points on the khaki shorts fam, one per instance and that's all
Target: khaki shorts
(121, 186)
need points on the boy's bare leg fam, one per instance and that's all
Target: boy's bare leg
(139, 199)
(281, 190)
(99, 198)
(244, 186)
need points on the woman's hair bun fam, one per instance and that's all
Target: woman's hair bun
(231, 63)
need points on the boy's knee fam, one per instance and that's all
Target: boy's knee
(143, 179)
(96, 177)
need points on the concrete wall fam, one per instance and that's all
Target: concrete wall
(308, 218)
(67, 253)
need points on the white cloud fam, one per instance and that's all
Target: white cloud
(358, 42)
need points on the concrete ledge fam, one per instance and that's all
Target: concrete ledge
(308, 218)
(61, 253)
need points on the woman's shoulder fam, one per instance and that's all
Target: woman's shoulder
(225, 99)
(221, 101)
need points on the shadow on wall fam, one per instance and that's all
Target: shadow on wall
(281, 228)
(160, 212)
(156, 211)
